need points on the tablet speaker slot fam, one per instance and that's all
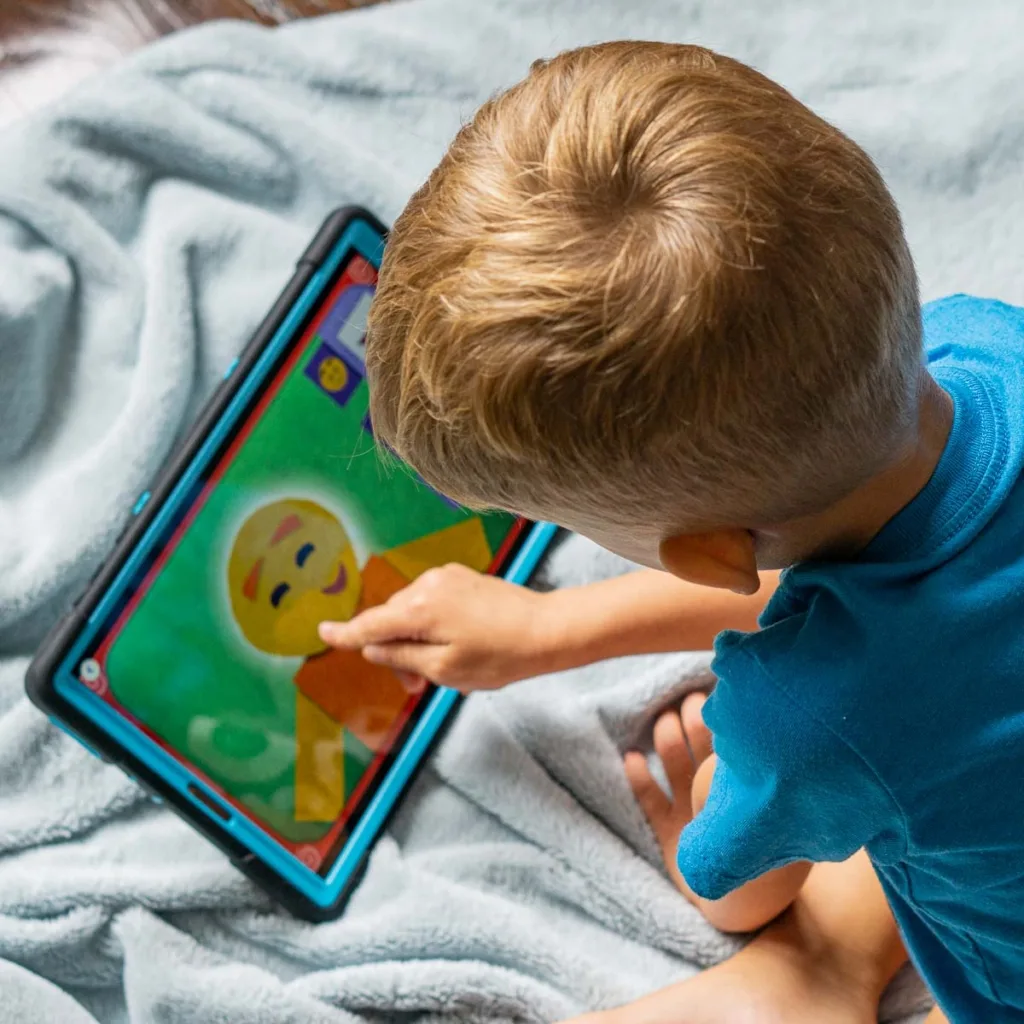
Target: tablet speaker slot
(209, 802)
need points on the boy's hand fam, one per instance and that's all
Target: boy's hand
(455, 627)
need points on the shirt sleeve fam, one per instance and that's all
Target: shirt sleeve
(786, 787)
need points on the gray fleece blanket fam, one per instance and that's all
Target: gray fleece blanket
(145, 222)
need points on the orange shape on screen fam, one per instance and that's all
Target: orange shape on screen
(339, 690)
(363, 698)
(359, 696)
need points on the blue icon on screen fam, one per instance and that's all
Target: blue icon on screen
(334, 375)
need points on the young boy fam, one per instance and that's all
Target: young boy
(650, 296)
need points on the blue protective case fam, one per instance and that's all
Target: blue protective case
(53, 686)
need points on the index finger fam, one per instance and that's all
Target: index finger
(382, 624)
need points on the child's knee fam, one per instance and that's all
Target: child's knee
(702, 784)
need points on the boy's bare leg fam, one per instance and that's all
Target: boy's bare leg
(683, 744)
(936, 1017)
(826, 960)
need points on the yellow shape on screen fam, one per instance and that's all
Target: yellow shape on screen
(464, 542)
(319, 763)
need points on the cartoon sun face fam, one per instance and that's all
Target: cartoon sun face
(291, 567)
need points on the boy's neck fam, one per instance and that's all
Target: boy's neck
(846, 528)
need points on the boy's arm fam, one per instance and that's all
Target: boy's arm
(462, 629)
(648, 612)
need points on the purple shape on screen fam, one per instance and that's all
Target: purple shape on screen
(344, 327)
(444, 497)
(368, 427)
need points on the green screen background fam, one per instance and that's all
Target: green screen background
(181, 664)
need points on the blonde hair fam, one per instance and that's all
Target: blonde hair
(647, 284)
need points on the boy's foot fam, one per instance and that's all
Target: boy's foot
(683, 743)
(771, 981)
(826, 960)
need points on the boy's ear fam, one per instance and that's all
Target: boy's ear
(719, 558)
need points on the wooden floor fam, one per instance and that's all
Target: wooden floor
(46, 46)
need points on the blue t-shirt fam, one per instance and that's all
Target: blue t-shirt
(882, 703)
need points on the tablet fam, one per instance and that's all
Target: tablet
(193, 661)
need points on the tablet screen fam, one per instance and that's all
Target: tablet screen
(298, 518)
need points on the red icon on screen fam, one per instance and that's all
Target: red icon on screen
(91, 673)
(361, 271)
(310, 856)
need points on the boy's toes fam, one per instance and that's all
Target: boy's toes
(649, 795)
(672, 750)
(698, 735)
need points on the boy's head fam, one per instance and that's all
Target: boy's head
(647, 293)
